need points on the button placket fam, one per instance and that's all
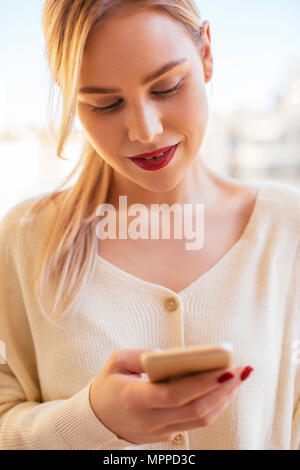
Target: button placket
(171, 304)
(179, 439)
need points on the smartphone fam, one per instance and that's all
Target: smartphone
(165, 364)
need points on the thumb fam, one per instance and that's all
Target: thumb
(128, 360)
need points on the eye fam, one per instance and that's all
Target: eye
(114, 106)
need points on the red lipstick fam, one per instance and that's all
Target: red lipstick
(158, 161)
(152, 154)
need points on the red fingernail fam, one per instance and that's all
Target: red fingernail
(226, 376)
(246, 372)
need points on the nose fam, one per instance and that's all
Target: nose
(144, 122)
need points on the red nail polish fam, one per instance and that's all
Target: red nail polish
(246, 372)
(226, 376)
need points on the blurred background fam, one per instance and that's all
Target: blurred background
(254, 97)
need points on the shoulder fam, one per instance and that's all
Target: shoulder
(279, 200)
(282, 193)
(271, 201)
(271, 211)
(283, 202)
(271, 190)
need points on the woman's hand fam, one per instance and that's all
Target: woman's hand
(143, 412)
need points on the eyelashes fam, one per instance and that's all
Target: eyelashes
(115, 106)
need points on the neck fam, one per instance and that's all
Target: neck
(199, 185)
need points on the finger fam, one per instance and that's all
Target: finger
(196, 409)
(126, 361)
(204, 421)
(213, 414)
(163, 395)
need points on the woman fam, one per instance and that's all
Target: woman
(77, 383)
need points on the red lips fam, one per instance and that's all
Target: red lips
(152, 154)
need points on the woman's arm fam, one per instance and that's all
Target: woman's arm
(295, 298)
(53, 425)
(25, 421)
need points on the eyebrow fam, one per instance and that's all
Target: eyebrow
(162, 70)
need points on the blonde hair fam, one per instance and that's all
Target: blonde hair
(68, 253)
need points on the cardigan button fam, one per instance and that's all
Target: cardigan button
(171, 304)
(179, 439)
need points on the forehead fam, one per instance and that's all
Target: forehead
(136, 36)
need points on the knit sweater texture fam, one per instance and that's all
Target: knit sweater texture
(250, 297)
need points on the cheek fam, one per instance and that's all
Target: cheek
(88, 120)
(96, 129)
(194, 109)
(98, 135)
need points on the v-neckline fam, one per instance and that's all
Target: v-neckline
(128, 277)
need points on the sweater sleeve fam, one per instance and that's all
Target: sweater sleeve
(295, 440)
(296, 428)
(26, 422)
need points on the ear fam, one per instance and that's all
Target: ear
(206, 55)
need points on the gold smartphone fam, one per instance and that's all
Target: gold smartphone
(165, 364)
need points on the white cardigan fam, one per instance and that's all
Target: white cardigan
(251, 298)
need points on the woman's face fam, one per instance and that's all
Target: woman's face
(124, 50)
